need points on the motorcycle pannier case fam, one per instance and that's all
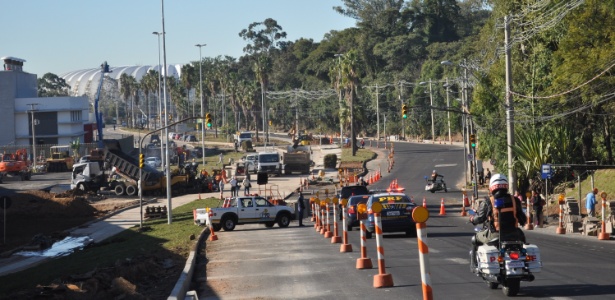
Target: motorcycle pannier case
(488, 259)
(533, 254)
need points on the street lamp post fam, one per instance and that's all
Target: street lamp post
(166, 129)
(339, 86)
(33, 110)
(162, 158)
(202, 102)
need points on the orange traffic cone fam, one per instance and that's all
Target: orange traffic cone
(424, 203)
(212, 236)
(442, 212)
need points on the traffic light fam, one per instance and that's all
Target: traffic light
(404, 111)
(208, 120)
(141, 160)
(473, 140)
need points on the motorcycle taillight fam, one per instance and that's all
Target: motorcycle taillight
(514, 255)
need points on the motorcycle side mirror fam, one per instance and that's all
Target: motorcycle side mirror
(425, 177)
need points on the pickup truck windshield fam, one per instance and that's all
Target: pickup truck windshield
(267, 158)
(245, 135)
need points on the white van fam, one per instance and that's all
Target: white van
(252, 162)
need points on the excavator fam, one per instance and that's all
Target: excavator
(16, 165)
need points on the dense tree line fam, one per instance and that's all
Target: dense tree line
(562, 82)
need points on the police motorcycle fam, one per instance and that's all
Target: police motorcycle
(505, 262)
(434, 185)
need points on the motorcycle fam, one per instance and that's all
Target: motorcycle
(434, 185)
(506, 263)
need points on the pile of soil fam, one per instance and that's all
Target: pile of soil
(38, 213)
(37, 218)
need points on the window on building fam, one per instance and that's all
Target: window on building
(75, 115)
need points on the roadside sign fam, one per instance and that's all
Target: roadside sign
(546, 171)
(470, 157)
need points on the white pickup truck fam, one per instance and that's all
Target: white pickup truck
(247, 210)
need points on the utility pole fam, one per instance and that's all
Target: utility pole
(401, 100)
(33, 110)
(377, 116)
(510, 113)
(448, 113)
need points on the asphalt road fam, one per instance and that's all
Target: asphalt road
(298, 263)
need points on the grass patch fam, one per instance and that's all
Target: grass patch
(603, 180)
(157, 239)
(361, 155)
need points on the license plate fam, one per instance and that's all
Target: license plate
(393, 213)
(515, 264)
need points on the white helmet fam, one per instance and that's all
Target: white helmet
(497, 182)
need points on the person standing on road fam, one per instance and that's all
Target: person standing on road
(537, 204)
(246, 185)
(590, 203)
(300, 209)
(234, 187)
(221, 186)
(220, 158)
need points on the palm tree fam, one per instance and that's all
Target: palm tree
(188, 78)
(350, 84)
(126, 87)
(149, 84)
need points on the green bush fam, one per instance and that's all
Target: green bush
(330, 160)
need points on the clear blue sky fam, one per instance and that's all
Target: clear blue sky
(67, 35)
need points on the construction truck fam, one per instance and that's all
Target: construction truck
(297, 160)
(60, 160)
(15, 165)
(125, 175)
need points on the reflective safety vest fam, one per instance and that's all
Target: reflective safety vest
(507, 209)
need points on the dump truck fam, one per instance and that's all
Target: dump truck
(297, 160)
(125, 174)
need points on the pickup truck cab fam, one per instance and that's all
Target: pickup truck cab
(250, 210)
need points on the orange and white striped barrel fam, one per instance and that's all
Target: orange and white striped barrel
(344, 247)
(381, 279)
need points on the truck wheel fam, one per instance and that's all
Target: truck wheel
(131, 190)
(119, 189)
(284, 220)
(228, 223)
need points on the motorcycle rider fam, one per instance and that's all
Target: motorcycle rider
(502, 223)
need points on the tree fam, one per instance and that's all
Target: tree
(52, 86)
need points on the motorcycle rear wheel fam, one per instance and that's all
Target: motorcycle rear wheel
(511, 287)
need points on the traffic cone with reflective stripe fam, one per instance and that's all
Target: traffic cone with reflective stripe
(442, 210)
(424, 203)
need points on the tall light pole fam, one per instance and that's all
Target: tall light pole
(202, 102)
(162, 139)
(166, 130)
(339, 86)
(433, 132)
(33, 110)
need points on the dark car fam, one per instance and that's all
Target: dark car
(353, 218)
(154, 139)
(351, 190)
(396, 214)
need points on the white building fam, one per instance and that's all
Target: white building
(58, 120)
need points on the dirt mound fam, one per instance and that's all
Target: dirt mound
(38, 213)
